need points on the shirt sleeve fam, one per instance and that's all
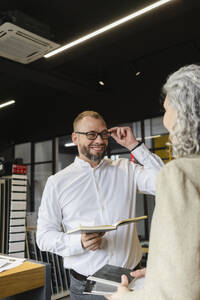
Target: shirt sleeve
(146, 172)
(50, 236)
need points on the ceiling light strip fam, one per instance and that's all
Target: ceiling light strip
(106, 28)
(7, 103)
(149, 137)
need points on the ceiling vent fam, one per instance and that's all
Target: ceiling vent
(21, 45)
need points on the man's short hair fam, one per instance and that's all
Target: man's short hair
(87, 113)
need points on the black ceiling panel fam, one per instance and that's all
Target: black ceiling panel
(49, 93)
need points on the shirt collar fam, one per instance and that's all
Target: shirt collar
(83, 163)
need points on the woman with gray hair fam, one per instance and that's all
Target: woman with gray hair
(173, 266)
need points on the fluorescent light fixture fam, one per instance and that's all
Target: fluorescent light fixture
(7, 103)
(149, 137)
(69, 145)
(107, 27)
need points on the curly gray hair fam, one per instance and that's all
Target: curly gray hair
(183, 90)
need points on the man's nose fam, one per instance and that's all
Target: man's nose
(99, 137)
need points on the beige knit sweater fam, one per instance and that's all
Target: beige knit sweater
(173, 267)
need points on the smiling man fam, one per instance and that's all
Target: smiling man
(91, 137)
(94, 190)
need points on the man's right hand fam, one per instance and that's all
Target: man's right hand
(91, 241)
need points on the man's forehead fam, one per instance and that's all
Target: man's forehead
(91, 123)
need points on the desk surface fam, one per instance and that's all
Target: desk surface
(27, 276)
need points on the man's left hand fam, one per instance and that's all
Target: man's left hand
(124, 136)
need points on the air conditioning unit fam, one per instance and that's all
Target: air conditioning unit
(21, 45)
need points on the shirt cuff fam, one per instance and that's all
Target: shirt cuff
(75, 244)
(141, 153)
(138, 145)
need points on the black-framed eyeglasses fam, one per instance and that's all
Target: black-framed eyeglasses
(92, 135)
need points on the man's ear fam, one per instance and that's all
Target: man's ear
(74, 138)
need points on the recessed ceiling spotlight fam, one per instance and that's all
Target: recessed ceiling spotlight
(107, 27)
(137, 73)
(6, 103)
(101, 82)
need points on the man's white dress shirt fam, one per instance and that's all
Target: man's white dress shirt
(82, 195)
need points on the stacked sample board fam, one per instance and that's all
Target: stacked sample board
(13, 203)
(59, 275)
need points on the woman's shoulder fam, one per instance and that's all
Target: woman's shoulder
(170, 166)
(189, 166)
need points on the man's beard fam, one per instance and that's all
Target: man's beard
(93, 157)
